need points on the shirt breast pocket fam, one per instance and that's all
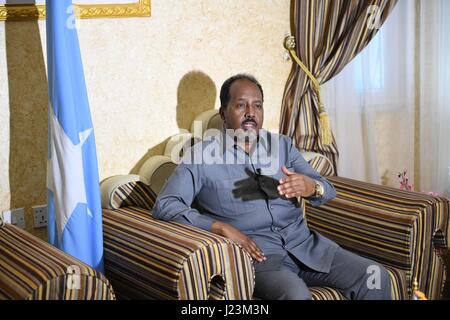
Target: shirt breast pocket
(233, 196)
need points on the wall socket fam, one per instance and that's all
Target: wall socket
(15, 217)
(39, 216)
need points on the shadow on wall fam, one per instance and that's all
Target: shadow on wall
(196, 94)
(28, 102)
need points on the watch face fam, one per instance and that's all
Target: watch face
(319, 190)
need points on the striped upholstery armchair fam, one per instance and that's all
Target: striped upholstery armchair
(151, 259)
(391, 226)
(388, 225)
(146, 258)
(32, 269)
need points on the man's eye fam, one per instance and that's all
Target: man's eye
(241, 105)
(259, 106)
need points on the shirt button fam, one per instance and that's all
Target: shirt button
(284, 246)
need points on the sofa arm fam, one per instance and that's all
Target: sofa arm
(391, 226)
(147, 258)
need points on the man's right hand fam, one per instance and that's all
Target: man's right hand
(228, 231)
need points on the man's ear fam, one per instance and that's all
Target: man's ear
(222, 113)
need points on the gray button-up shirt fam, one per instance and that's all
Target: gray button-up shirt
(219, 181)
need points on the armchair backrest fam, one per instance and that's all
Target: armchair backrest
(126, 191)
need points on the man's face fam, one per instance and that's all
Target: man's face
(245, 108)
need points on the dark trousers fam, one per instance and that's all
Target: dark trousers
(357, 278)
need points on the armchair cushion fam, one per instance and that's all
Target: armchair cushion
(326, 293)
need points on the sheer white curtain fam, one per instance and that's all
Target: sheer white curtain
(435, 96)
(371, 103)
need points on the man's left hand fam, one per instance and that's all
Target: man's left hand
(295, 185)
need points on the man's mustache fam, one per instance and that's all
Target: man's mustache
(249, 120)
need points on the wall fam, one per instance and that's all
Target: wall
(146, 79)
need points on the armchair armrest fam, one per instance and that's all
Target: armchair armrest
(32, 269)
(391, 226)
(147, 258)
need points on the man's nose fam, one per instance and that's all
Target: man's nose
(250, 111)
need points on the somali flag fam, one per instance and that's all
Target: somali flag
(74, 206)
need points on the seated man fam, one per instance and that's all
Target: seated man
(247, 191)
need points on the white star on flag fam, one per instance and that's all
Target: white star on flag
(65, 173)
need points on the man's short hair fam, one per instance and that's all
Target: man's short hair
(225, 89)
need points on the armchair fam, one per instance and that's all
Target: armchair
(32, 269)
(151, 259)
(388, 225)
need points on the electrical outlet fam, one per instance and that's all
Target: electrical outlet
(6, 216)
(15, 217)
(39, 216)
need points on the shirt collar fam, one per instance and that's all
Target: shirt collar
(263, 140)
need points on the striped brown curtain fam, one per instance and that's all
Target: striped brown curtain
(328, 34)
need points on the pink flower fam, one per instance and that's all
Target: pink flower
(404, 181)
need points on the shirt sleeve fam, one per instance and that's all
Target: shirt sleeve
(300, 165)
(176, 197)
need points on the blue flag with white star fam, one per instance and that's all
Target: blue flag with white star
(74, 206)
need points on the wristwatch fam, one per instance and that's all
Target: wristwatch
(319, 190)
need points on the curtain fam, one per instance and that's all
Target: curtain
(434, 66)
(329, 34)
(390, 106)
(371, 103)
